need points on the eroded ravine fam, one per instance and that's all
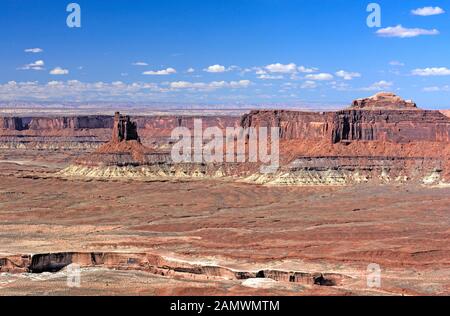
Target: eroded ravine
(156, 264)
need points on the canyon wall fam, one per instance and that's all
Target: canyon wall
(355, 125)
(391, 125)
(11, 123)
(346, 125)
(91, 131)
(293, 124)
(75, 122)
(158, 125)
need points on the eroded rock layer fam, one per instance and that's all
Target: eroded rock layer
(355, 125)
(382, 138)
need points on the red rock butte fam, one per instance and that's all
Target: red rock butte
(124, 129)
(125, 146)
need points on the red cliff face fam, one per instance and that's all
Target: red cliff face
(75, 122)
(384, 117)
(155, 125)
(355, 125)
(390, 125)
(162, 126)
(293, 124)
(11, 123)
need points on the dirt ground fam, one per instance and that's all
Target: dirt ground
(337, 231)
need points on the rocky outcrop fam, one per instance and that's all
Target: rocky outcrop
(124, 129)
(383, 100)
(124, 148)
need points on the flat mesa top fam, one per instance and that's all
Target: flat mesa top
(384, 100)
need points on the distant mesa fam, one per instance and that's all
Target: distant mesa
(446, 112)
(384, 100)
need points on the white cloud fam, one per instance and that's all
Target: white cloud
(191, 70)
(379, 86)
(396, 63)
(402, 32)
(163, 72)
(308, 85)
(348, 75)
(428, 11)
(428, 72)
(216, 69)
(270, 77)
(340, 86)
(436, 89)
(234, 68)
(55, 83)
(76, 90)
(237, 84)
(304, 69)
(34, 50)
(140, 63)
(59, 71)
(281, 68)
(37, 65)
(186, 85)
(209, 86)
(320, 77)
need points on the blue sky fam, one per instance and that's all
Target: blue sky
(240, 52)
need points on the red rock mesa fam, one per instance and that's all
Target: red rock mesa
(384, 100)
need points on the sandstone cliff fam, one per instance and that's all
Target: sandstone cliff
(355, 125)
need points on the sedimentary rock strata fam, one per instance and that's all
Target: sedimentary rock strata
(343, 144)
(355, 125)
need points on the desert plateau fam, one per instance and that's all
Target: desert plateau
(368, 184)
